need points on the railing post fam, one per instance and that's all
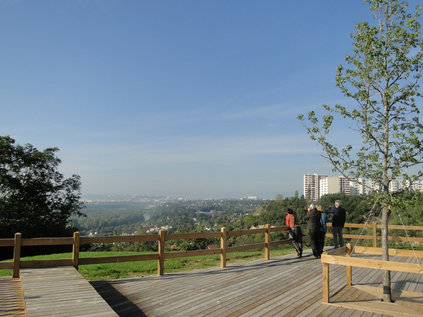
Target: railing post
(349, 268)
(267, 242)
(223, 247)
(75, 250)
(160, 261)
(374, 235)
(325, 282)
(17, 255)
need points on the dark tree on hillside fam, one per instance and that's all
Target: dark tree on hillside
(35, 199)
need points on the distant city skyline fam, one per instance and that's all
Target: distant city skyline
(317, 185)
(181, 98)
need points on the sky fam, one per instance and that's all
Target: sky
(183, 98)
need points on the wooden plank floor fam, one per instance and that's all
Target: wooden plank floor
(283, 286)
(61, 292)
(11, 297)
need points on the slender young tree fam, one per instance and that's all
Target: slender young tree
(382, 80)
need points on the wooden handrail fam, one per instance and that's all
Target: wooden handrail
(47, 241)
(393, 252)
(401, 227)
(114, 239)
(335, 257)
(370, 225)
(7, 242)
(373, 264)
(162, 237)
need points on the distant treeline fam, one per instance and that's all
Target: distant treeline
(360, 209)
(211, 215)
(106, 218)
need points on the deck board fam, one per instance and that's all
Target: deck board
(61, 292)
(282, 286)
(11, 298)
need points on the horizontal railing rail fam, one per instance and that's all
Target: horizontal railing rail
(343, 256)
(375, 237)
(76, 241)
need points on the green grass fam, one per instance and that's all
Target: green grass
(108, 271)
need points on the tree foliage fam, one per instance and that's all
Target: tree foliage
(382, 79)
(35, 199)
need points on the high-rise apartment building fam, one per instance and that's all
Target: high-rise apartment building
(315, 186)
(344, 185)
(418, 185)
(333, 185)
(395, 186)
(361, 186)
(312, 186)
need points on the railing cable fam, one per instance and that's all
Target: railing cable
(370, 214)
(406, 233)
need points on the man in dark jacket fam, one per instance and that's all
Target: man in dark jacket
(313, 227)
(338, 221)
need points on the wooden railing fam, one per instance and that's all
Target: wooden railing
(342, 256)
(375, 237)
(76, 241)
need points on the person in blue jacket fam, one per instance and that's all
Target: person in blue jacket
(323, 226)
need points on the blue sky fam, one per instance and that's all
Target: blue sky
(183, 98)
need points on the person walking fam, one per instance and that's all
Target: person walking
(313, 227)
(338, 221)
(295, 233)
(323, 226)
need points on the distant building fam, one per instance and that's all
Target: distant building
(395, 186)
(315, 186)
(333, 185)
(250, 198)
(418, 185)
(312, 186)
(362, 186)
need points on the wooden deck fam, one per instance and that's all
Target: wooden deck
(61, 292)
(283, 286)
